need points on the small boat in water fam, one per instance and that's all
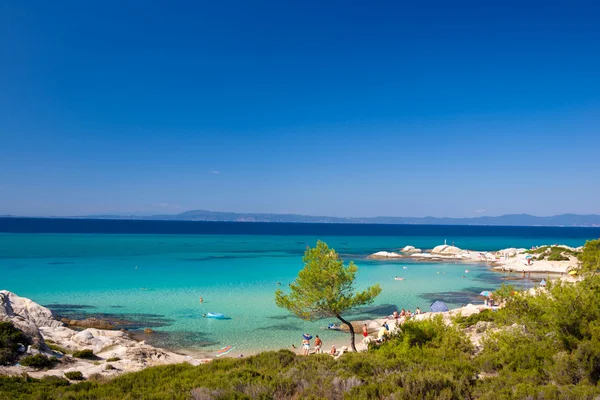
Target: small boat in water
(214, 315)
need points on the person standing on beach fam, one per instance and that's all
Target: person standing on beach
(318, 345)
(365, 332)
(305, 346)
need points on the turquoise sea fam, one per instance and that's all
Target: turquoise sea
(155, 280)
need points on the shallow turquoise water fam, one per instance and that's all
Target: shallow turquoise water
(160, 278)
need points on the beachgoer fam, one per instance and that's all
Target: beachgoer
(464, 276)
(382, 333)
(395, 314)
(333, 350)
(293, 346)
(365, 332)
(418, 311)
(201, 299)
(204, 315)
(387, 327)
(403, 313)
(318, 344)
(305, 346)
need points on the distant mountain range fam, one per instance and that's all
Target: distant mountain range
(592, 220)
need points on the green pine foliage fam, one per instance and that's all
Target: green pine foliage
(325, 288)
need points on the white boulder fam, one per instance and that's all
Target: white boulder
(385, 254)
(446, 250)
(410, 250)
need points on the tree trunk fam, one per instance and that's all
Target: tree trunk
(351, 331)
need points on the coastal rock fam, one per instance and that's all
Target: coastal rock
(385, 254)
(148, 331)
(446, 250)
(26, 316)
(90, 323)
(411, 250)
(13, 306)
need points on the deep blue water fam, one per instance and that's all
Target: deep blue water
(59, 225)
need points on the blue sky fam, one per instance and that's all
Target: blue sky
(324, 108)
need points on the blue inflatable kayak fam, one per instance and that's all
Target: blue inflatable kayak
(215, 315)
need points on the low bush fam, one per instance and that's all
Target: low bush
(113, 359)
(87, 354)
(57, 348)
(38, 361)
(74, 375)
(464, 322)
(10, 339)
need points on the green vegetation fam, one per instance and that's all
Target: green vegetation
(87, 354)
(590, 257)
(113, 359)
(57, 348)
(553, 253)
(39, 361)
(74, 375)
(545, 346)
(325, 288)
(465, 322)
(10, 339)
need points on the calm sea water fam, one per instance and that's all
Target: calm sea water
(152, 273)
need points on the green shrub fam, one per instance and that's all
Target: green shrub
(74, 375)
(109, 367)
(87, 354)
(10, 338)
(57, 348)
(557, 257)
(486, 315)
(113, 359)
(38, 361)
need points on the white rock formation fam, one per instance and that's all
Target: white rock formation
(38, 323)
(445, 249)
(411, 250)
(385, 254)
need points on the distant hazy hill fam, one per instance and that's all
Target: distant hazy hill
(505, 220)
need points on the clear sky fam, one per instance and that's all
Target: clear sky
(396, 108)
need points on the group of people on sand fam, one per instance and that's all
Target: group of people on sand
(318, 346)
(405, 313)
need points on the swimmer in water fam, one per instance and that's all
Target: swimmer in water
(203, 315)
(201, 299)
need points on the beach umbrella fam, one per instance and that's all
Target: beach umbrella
(486, 293)
(438, 306)
(543, 282)
(307, 336)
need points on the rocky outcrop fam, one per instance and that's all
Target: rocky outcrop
(27, 316)
(385, 254)
(411, 250)
(444, 249)
(89, 323)
(39, 325)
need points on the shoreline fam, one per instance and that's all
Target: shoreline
(134, 353)
(504, 260)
